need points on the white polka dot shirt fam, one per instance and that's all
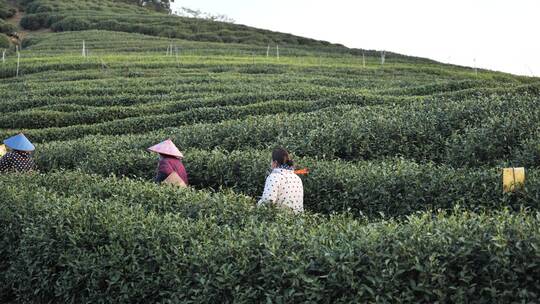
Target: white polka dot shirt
(16, 161)
(284, 188)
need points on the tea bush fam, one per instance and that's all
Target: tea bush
(393, 187)
(85, 250)
(420, 132)
(225, 207)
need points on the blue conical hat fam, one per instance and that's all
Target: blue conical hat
(20, 143)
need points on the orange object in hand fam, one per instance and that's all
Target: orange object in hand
(304, 171)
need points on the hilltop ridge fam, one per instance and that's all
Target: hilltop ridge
(78, 15)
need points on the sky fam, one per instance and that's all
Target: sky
(497, 35)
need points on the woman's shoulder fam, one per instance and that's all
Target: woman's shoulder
(9, 155)
(276, 174)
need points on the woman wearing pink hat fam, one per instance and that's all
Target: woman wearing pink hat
(170, 169)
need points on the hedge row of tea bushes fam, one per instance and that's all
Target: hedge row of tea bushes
(148, 122)
(439, 87)
(77, 112)
(121, 89)
(225, 207)
(156, 122)
(394, 187)
(74, 248)
(10, 68)
(71, 107)
(100, 41)
(128, 73)
(467, 133)
(156, 76)
(531, 88)
(82, 109)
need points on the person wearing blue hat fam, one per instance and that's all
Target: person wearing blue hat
(19, 158)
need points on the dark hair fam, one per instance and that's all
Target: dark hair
(281, 156)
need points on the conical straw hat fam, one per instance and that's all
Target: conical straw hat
(166, 148)
(19, 142)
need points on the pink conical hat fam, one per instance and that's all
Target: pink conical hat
(167, 148)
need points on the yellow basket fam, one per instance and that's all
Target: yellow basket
(3, 150)
(513, 178)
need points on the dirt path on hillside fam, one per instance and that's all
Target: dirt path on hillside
(15, 20)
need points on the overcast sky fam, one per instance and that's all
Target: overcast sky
(497, 34)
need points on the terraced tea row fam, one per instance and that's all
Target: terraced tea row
(103, 41)
(153, 65)
(79, 234)
(233, 209)
(51, 118)
(395, 187)
(466, 133)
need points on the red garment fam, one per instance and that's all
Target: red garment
(168, 165)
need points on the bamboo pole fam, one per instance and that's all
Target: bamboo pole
(18, 62)
(363, 60)
(176, 53)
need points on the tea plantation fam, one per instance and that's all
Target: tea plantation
(404, 198)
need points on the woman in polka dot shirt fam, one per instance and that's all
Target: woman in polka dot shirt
(19, 159)
(283, 187)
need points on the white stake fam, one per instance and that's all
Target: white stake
(268, 51)
(277, 51)
(83, 48)
(18, 62)
(4, 56)
(363, 60)
(383, 55)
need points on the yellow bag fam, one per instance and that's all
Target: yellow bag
(513, 178)
(3, 150)
(175, 179)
